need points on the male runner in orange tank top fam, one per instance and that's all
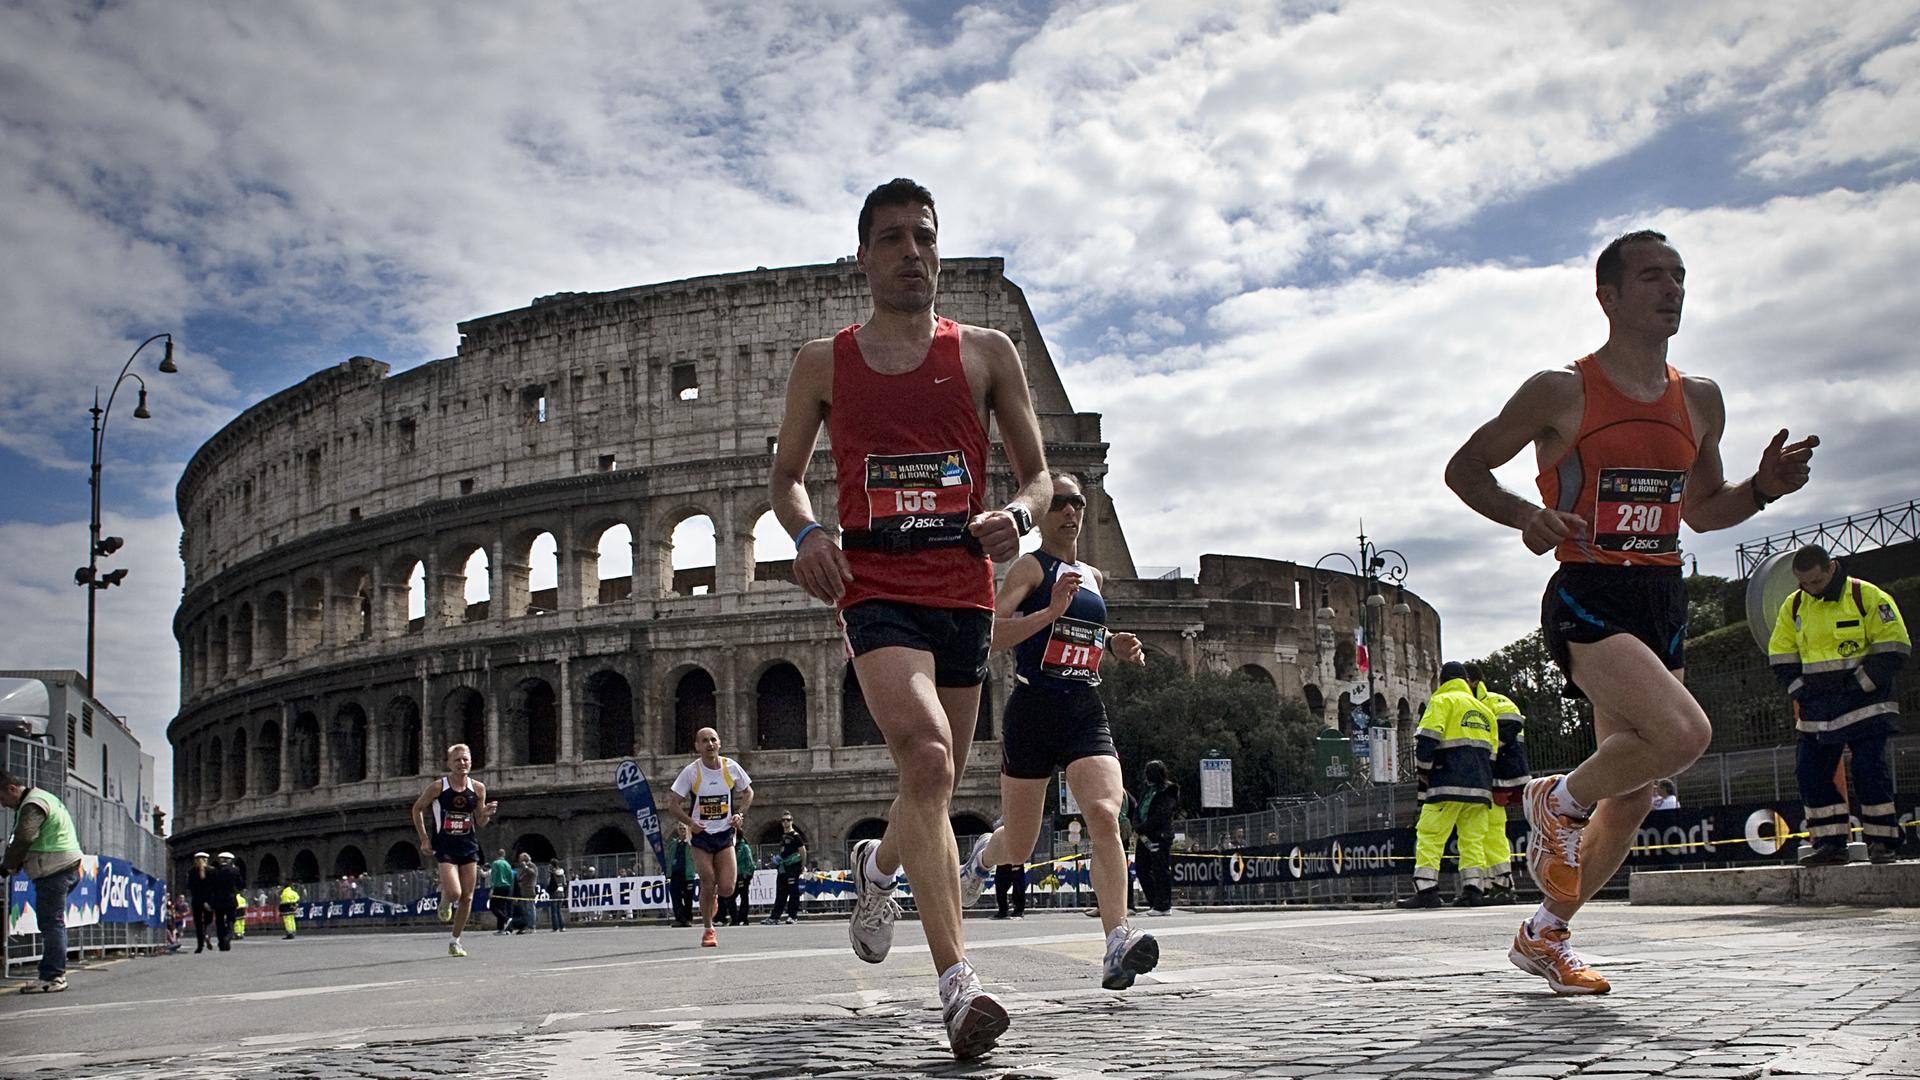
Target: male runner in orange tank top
(1627, 448)
(910, 573)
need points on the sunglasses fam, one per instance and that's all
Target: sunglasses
(1061, 502)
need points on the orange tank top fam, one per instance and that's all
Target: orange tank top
(1625, 474)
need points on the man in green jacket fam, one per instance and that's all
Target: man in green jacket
(500, 892)
(742, 878)
(46, 848)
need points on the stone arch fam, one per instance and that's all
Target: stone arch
(866, 829)
(1256, 673)
(273, 627)
(403, 597)
(772, 550)
(354, 603)
(349, 861)
(969, 824)
(610, 840)
(400, 727)
(463, 719)
(193, 775)
(306, 753)
(402, 856)
(216, 786)
(857, 726)
(243, 638)
(693, 543)
(769, 839)
(475, 585)
(237, 764)
(1403, 712)
(613, 563)
(534, 844)
(532, 723)
(1377, 709)
(197, 666)
(780, 708)
(349, 743)
(306, 867)
(534, 573)
(607, 729)
(1316, 702)
(695, 705)
(217, 650)
(1343, 713)
(266, 757)
(267, 872)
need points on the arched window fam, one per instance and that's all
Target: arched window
(781, 708)
(693, 562)
(463, 719)
(400, 727)
(614, 573)
(350, 862)
(268, 872)
(266, 758)
(350, 743)
(401, 857)
(607, 715)
(533, 723)
(1316, 704)
(694, 707)
(306, 868)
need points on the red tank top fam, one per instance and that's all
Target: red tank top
(910, 454)
(1625, 474)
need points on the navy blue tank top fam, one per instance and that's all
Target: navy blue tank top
(1065, 655)
(453, 810)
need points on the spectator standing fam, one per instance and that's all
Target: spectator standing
(742, 881)
(793, 859)
(1837, 645)
(1010, 882)
(45, 848)
(679, 871)
(526, 881)
(556, 895)
(201, 889)
(1665, 795)
(1153, 837)
(499, 889)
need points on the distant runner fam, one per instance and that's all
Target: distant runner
(459, 807)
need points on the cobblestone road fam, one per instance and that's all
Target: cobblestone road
(1700, 993)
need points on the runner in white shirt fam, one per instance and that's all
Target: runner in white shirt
(712, 795)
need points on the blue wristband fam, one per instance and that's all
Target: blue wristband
(797, 540)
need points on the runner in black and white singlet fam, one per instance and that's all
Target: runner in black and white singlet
(459, 807)
(712, 795)
(1050, 612)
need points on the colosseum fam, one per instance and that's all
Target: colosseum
(482, 549)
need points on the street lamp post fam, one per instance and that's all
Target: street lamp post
(89, 577)
(1376, 565)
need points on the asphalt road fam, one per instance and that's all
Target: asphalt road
(1699, 992)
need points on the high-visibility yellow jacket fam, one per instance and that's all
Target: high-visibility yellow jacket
(1837, 655)
(1454, 747)
(1510, 769)
(289, 896)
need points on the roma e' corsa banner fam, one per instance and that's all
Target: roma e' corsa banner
(638, 794)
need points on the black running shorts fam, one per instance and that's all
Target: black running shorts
(1584, 604)
(957, 637)
(1044, 730)
(713, 842)
(455, 850)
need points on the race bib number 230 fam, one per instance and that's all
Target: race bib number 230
(1638, 510)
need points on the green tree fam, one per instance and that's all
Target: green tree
(1161, 711)
(1707, 602)
(1559, 729)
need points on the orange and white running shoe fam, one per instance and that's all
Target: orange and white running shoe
(1553, 848)
(1549, 956)
(709, 939)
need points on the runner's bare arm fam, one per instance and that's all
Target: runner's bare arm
(819, 566)
(745, 799)
(485, 812)
(677, 809)
(1010, 628)
(1711, 502)
(420, 807)
(1012, 407)
(1524, 420)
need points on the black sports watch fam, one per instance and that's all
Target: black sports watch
(1022, 520)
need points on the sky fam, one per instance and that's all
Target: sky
(1293, 252)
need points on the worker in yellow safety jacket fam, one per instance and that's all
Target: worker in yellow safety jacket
(289, 899)
(1510, 776)
(1837, 645)
(239, 916)
(1453, 751)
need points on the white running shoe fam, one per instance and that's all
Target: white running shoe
(454, 949)
(973, 875)
(874, 909)
(975, 1021)
(1133, 953)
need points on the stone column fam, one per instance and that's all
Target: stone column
(653, 566)
(569, 741)
(288, 713)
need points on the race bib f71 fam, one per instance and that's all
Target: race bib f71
(1074, 649)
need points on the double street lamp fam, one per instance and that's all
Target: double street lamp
(1377, 565)
(89, 576)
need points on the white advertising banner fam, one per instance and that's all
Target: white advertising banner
(1216, 783)
(617, 894)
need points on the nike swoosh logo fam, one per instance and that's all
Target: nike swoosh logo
(937, 382)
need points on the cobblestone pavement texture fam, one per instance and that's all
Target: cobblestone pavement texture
(1699, 993)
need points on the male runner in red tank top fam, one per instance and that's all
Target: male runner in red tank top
(1627, 449)
(907, 399)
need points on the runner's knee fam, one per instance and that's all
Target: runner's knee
(926, 766)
